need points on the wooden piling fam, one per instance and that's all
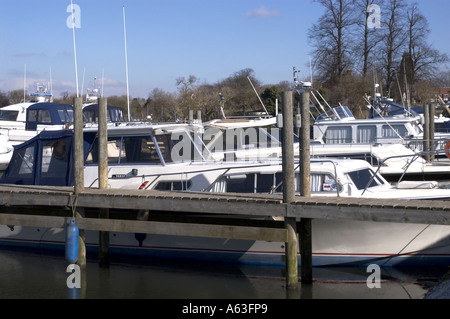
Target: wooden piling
(78, 145)
(288, 148)
(305, 151)
(426, 132)
(103, 249)
(79, 173)
(432, 130)
(289, 189)
(305, 190)
(102, 143)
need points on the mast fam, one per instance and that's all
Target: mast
(24, 83)
(126, 64)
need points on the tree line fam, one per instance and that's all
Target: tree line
(350, 54)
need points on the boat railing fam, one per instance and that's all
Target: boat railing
(414, 157)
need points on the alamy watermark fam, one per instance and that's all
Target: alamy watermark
(374, 279)
(374, 17)
(232, 144)
(74, 18)
(74, 279)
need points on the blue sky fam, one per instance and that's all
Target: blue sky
(166, 39)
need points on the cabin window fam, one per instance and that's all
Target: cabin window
(394, 131)
(364, 178)
(138, 149)
(323, 183)
(366, 134)
(133, 149)
(271, 183)
(173, 186)
(55, 162)
(338, 135)
(23, 163)
(32, 115)
(6, 115)
(66, 115)
(44, 117)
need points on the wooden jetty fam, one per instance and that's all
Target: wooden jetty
(44, 206)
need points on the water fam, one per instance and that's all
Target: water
(28, 275)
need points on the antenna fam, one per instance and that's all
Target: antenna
(103, 77)
(74, 47)
(82, 83)
(126, 64)
(51, 86)
(24, 82)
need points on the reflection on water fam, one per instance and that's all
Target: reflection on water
(31, 275)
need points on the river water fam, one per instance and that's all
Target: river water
(29, 275)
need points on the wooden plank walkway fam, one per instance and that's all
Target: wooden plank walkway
(375, 210)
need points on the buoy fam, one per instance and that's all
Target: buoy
(72, 232)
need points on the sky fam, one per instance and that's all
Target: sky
(165, 40)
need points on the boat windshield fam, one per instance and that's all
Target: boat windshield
(66, 115)
(340, 112)
(147, 149)
(365, 178)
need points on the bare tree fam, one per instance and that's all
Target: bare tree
(331, 38)
(367, 38)
(186, 88)
(162, 106)
(394, 39)
(424, 58)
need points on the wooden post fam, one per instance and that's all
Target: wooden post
(79, 172)
(288, 148)
(305, 190)
(426, 132)
(289, 189)
(78, 145)
(431, 129)
(305, 151)
(103, 248)
(102, 143)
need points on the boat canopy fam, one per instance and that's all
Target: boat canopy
(46, 159)
(48, 114)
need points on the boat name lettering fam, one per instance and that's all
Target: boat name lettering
(117, 176)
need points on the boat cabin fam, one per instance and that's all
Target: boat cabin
(340, 127)
(47, 159)
(48, 114)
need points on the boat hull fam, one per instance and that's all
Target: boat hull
(335, 243)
